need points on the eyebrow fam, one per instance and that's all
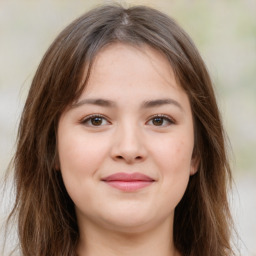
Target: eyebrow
(145, 104)
(98, 102)
(161, 102)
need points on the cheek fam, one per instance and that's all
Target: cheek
(80, 154)
(80, 157)
(173, 158)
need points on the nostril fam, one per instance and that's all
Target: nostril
(137, 158)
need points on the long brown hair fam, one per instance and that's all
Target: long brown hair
(47, 222)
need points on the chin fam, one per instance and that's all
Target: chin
(127, 226)
(136, 221)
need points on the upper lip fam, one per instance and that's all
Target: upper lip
(122, 176)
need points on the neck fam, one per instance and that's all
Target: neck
(94, 241)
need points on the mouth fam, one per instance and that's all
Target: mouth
(128, 182)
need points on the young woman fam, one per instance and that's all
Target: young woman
(120, 147)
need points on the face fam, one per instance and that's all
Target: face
(125, 147)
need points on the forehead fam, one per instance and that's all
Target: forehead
(121, 63)
(129, 75)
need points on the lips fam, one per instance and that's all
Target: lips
(128, 182)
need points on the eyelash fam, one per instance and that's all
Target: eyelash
(164, 117)
(89, 118)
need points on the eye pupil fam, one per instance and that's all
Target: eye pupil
(157, 121)
(96, 121)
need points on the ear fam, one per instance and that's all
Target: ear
(194, 165)
(56, 167)
(56, 154)
(56, 162)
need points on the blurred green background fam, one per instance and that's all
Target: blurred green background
(223, 30)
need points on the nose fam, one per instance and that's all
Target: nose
(128, 145)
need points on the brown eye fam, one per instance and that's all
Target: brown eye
(96, 121)
(158, 121)
(161, 121)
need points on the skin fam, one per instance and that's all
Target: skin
(127, 137)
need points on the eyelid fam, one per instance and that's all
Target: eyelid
(85, 119)
(164, 116)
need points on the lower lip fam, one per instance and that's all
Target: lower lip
(129, 186)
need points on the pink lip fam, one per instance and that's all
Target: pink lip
(128, 181)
